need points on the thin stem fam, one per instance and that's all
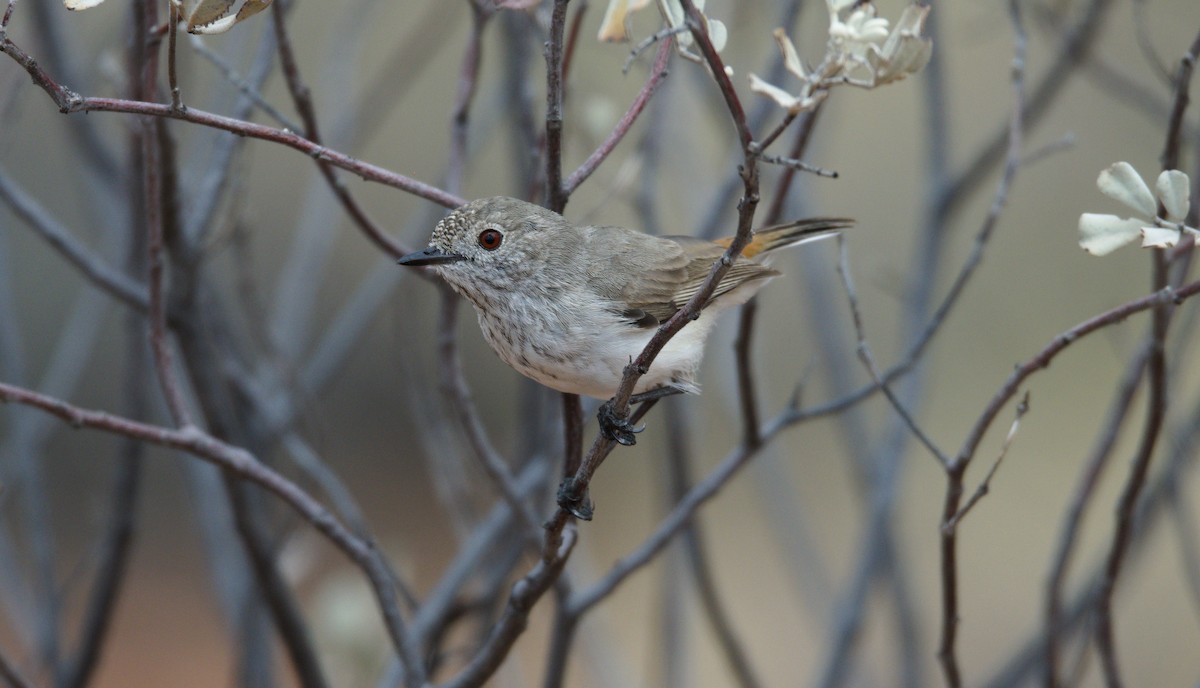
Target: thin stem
(699, 564)
(556, 193)
(1093, 470)
(658, 72)
(194, 441)
(454, 385)
(747, 396)
(69, 102)
(572, 493)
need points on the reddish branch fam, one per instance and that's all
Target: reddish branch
(194, 441)
(574, 488)
(69, 102)
(657, 73)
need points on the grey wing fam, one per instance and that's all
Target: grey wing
(650, 278)
(703, 254)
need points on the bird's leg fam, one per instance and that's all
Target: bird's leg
(622, 429)
(619, 429)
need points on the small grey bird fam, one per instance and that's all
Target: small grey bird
(571, 305)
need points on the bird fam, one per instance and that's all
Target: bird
(570, 305)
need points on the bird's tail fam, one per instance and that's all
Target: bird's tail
(790, 234)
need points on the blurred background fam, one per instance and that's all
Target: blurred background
(331, 334)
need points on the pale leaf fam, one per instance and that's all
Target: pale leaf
(1172, 187)
(1121, 182)
(780, 96)
(1159, 237)
(219, 26)
(81, 4)
(1100, 235)
(251, 8)
(207, 11)
(791, 60)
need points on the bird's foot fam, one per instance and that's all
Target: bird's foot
(617, 427)
(575, 501)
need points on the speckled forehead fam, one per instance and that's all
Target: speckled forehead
(453, 225)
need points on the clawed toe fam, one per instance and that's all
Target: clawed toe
(617, 428)
(573, 502)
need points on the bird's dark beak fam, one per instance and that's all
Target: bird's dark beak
(430, 256)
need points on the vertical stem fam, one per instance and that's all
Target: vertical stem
(556, 198)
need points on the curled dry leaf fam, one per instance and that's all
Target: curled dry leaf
(212, 16)
(81, 4)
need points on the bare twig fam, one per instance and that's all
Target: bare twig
(957, 468)
(657, 73)
(302, 98)
(698, 561)
(90, 265)
(172, 40)
(454, 386)
(556, 193)
(985, 485)
(868, 360)
(645, 43)
(574, 489)
(1156, 402)
(69, 102)
(196, 442)
(799, 165)
(242, 84)
(1094, 468)
(118, 541)
(525, 593)
(745, 374)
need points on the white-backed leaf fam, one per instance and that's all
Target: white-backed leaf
(81, 4)
(207, 12)
(1121, 182)
(1172, 187)
(251, 8)
(1159, 237)
(1100, 235)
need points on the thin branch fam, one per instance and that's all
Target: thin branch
(172, 40)
(273, 589)
(90, 265)
(868, 360)
(243, 86)
(117, 546)
(799, 165)
(160, 344)
(658, 72)
(1094, 468)
(677, 520)
(573, 491)
(985, 485)
(957, 468)
(1072, 51)
(302, 99)
(454, 386)
(699, 565)
(747, 395)
(525, 593)
(69, 102)
(556, 193)
(200, 444)
(1156, 402)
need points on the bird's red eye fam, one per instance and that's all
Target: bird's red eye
(490, 239)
